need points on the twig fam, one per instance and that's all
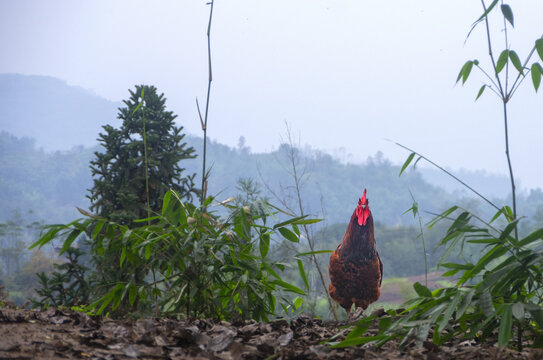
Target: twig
(204, 123)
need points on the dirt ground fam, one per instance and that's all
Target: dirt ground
(65, 334)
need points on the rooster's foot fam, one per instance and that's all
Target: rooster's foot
(355, 315)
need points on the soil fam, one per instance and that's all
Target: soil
(66, 334)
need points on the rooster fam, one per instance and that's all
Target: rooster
(355, 268)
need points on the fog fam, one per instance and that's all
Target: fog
(346, 75)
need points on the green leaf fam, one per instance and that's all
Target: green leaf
(97, 229)
(406, 163)
(289, 221)
(132, 293)
(537, 71)
(441, 216)
(69, 240)
(486, 303)
(539, 47)
(123, 256)
(315, 252)
(302, 273)
(448, 314)
(360, 341)
(422, 290)
(466, 70)
(147, 251)
(508, 14)
(289, 235)
(464, 304)
(502, 60)
(166, 202)
(481, 91)
(538, 317)
(264, 245)
(288, 287)
(298, 301)
(516, 61)
(518, 311)
(506, 323)
(508, 229)
(487, 11)
(536, 235)
(306, 221)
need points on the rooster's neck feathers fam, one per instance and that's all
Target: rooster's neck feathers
(359, 240)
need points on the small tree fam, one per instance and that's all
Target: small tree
(139, 166)
(141, 160)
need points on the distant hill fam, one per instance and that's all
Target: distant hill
(34, 110)
(58, 116)
(491, 185)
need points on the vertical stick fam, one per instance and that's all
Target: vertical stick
(204, 121)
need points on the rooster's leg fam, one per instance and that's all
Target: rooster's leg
(355, 315)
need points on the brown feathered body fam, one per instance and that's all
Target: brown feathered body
(356, 270)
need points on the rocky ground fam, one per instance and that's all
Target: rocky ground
(65, 334)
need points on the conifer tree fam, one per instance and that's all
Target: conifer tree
(141, 160)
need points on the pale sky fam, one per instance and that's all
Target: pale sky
(345, 74)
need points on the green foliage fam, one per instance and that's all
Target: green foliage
(67, 286)
(141, 162)
(503, 289)
(48, 183)
(147, 146)
(191, 263)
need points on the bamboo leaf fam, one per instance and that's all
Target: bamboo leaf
(298, 301)
(306, 221)
(487, 11)
(508, 229)
(536, 235)
(315, 252)
(448, 314)
(441, 216)
(406, 163)
(508, 14)
(518, 311)
(132, 293)
(264, 245)
(289, 235)
(147, 251)
(538, 316)
(422, 290)
(481, 91)
(466, 70)
(290, 221)
(288, 286)
(516, 61)
(166, 202)
(506, 323)
(486, 303)
(360, 341)
(537, 71)
(539, 47)
(97, 228)
(302, 273)
(464, 304)
(123, 256)
(502, 60)
(69, 240)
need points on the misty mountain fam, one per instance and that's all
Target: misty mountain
(490, 185)
(52, 183)
(57, 115)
